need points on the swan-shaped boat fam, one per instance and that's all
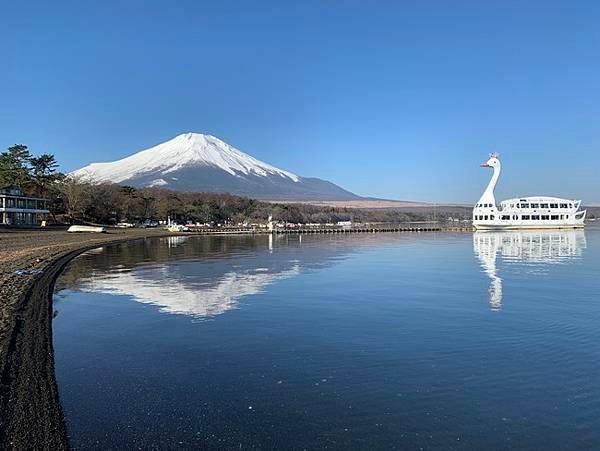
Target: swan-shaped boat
(537, 212)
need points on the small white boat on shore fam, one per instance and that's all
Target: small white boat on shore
(537, 212)
(86, 229)
(178, 228)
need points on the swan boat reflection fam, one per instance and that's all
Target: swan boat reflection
(541, 248)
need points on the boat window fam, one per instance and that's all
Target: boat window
(553, 205)
(544, 205)
(524, 205)
(564, 206)
(505, 217)
(486, 216)
(492, 217)
(515, 217)
(512, 205)
(545, 217)
(570, 205)
(554, 217)
(567, 216)
(562, 216)
(525, 217)
(535, 217)
(535, 205)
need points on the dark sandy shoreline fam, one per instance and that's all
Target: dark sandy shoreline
(30, 413)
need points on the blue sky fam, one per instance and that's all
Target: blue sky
(398, 100)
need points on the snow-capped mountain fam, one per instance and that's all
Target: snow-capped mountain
(198, 162)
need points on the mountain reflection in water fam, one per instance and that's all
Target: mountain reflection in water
(536, 249)
(170, 292)
(180, 275)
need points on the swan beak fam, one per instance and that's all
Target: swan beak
(485, 165)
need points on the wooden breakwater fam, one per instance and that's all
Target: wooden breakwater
(338, 230)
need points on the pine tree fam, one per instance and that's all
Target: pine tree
(43, 173)
(15, 166)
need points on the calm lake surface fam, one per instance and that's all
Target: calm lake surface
(407, 341)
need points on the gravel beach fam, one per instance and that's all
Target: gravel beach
(30, 261)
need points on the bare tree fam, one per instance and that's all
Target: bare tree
(76, 194)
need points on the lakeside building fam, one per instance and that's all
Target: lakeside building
(18, 209)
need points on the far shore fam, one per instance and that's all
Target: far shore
(368, 203)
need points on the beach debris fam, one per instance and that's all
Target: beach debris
(28, 272)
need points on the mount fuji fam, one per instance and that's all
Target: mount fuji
(204, 163)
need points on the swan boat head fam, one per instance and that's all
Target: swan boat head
(488, 200)
(492, 162)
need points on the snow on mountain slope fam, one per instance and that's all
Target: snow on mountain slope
(183, 151)
(203, 163)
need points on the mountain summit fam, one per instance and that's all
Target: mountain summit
(198, 162)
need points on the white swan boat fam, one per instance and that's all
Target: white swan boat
(537, 212)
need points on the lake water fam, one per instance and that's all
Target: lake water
(406, 341)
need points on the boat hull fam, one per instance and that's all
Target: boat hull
(528, 226)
